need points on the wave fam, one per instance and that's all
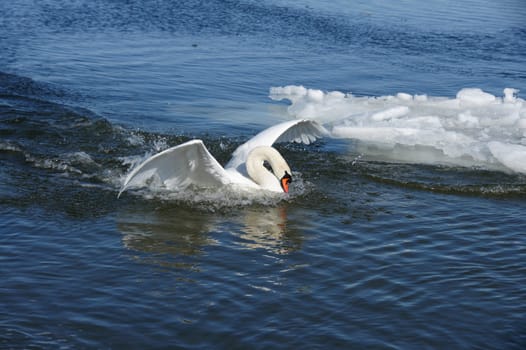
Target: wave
(474, 128)
(54, 146)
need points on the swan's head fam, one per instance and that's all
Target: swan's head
(279, 179)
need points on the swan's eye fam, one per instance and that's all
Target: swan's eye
(267, 166)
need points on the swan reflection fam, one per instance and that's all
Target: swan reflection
(266, 228)
(175, 236)
(163, 236)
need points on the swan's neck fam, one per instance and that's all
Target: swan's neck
(260, 174)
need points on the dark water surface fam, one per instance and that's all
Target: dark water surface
(364, 253)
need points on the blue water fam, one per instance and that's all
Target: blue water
(365, 253)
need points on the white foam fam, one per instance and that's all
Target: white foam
(80, 158)
(473, 128)
(7, 146)
(212, 199)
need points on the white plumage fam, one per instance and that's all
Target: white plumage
(192, 164)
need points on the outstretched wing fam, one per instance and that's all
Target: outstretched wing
(179, 167)
(301, 131)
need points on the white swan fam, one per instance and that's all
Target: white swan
(192, 164)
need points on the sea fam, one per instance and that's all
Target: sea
(404, 228)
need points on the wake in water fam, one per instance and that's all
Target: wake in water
(56, 148)
(473, 129)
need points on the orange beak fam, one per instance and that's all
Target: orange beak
(285, 182)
